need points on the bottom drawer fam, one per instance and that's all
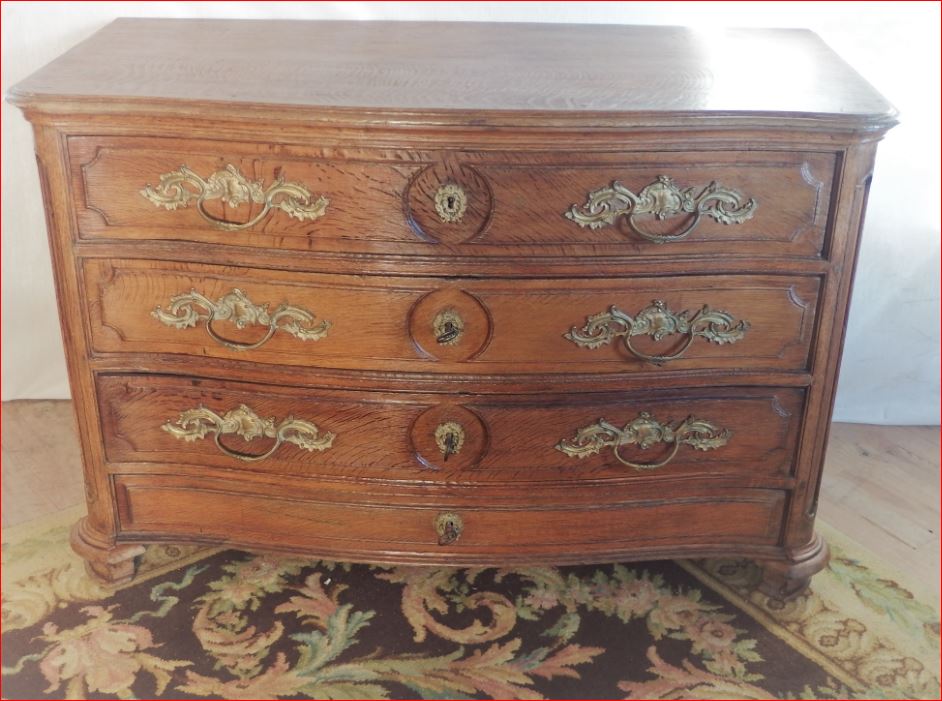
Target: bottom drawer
(438, 530)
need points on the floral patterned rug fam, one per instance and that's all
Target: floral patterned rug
(213, 623)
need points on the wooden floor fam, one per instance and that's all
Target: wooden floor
(881, 484)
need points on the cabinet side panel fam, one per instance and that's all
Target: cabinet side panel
(850, 202)
(53, 169)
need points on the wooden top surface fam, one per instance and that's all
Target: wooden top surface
(478, 71)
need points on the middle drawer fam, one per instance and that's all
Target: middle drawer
(466, 326)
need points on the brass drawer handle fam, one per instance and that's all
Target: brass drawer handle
(658, 322)
(194, 424)
(661, 199)
(644, 432)
(190, 308)
(178, 188)
(448, 526)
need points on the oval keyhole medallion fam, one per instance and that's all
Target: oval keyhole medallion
(449, 437)
(449, 325)
(449, 202)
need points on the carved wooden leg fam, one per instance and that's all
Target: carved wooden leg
(787, 578)
(106, 561)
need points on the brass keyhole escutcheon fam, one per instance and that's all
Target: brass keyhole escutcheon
(450, 203)
(447, 326)
(449, 437)
(448, 526)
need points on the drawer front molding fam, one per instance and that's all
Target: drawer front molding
(237, 308)
(658, 322)
(497, 204)
(180, 187)
(742, 434)
(662, 199)
(195, 424)
(442, 526)
(644, 432)
(462, 325)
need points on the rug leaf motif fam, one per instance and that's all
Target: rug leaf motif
(274, 626)
(421, 597)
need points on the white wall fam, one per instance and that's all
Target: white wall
(891, 363)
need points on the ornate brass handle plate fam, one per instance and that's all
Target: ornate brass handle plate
(448, 526)
(194, 424)
(190, 308)
(662, 199)
(644, 431)
(178, 188)
(449, 437)
(658, 322)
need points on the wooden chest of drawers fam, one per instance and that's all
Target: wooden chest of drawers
(465, 294)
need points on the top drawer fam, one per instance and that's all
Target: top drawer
(432, 203)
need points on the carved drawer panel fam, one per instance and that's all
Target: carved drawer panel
(744, 435)
(499, 203)
(637, 325)
(443, 528)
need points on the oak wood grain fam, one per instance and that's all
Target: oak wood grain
(409, 69)
(874, 487)
(407, 534)
(371, 116)
(510, 440)
(381, 201)
(508, 326)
